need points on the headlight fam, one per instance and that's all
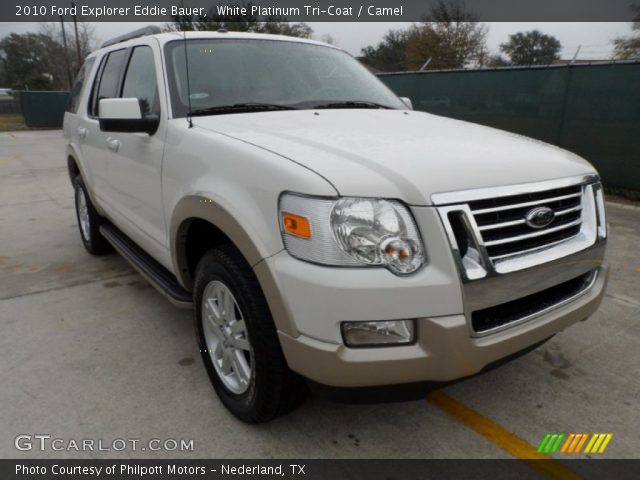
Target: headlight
(351, 232)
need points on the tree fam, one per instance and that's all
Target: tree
(388, 55)
(628, 48)
(328, 38)
(85, 43)
(86, 40)
(32, 61)
(450, 36)
(280, 26)
(531, 48)
(240, 23)
(496, 60)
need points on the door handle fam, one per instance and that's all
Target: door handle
(82, 132)
(113, 144)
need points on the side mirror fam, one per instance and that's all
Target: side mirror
(125, 115)
(407, 102)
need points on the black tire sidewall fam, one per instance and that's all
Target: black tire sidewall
(212, 271)
(81, 188)
(217, 271)
(96, 244)
(270, 374)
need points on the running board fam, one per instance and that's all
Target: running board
(158, 276)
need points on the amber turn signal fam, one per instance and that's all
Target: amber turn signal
(296, 225)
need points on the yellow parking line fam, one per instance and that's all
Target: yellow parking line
(512, 444)
(638, 269)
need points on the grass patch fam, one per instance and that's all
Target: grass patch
(12, 121)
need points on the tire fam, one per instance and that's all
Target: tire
(89, 221)
(269, 388)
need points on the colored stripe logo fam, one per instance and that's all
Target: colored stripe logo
(574, 443)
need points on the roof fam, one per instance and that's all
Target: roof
(166, 37)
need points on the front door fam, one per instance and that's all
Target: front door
(134, 160)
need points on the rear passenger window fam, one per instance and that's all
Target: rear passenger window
(140, 81)
(78, 86)
(109, 81)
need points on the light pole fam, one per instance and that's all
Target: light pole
(75, 26)
(66, 52)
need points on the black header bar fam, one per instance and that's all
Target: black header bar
(315, 10)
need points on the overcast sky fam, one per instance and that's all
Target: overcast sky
(595, 38)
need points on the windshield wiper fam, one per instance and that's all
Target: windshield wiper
(352, 104)
(240, 108)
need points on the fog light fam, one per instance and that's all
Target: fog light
(371, 334)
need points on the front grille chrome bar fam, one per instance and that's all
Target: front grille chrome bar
(490, 234)
(524, 252)
(524, 204)
(522, 221)
(538, 233)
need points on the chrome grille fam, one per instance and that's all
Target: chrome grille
(511, 271)
(502, 222)
(494, 230)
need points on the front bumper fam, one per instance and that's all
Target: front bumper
(308, 303)
(444, 350)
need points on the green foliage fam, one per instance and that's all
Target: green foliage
(531, 48)
(388, 55)
(628, 48)
(496, 60)
(450, 36)
(33, 61)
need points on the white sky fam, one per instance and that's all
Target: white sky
(595, 38)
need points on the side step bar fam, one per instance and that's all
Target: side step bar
(158, 276)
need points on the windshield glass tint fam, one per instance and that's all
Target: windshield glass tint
(228, 72)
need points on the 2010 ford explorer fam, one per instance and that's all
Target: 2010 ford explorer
(320, 228)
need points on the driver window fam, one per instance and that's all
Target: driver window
(140, 81)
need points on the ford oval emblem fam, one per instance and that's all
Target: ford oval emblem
(540, 217)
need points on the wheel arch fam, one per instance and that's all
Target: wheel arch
(198, 224)
(75, 168)
(224, 228)
(72, 167)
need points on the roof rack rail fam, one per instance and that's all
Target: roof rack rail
(141, 32)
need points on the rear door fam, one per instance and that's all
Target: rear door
(90, 137)
(74, 117)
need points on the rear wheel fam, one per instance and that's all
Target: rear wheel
(89, 221)
(238, 340)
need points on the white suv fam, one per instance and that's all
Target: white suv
(321, 229)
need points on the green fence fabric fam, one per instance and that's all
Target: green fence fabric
(592, 110)
(43, 109)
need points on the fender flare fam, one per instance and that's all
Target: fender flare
(199, 206)
(71, 152)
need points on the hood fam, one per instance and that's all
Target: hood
(400, 154)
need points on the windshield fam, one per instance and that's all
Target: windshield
(271, 73)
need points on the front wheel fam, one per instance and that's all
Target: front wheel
(238, 340)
